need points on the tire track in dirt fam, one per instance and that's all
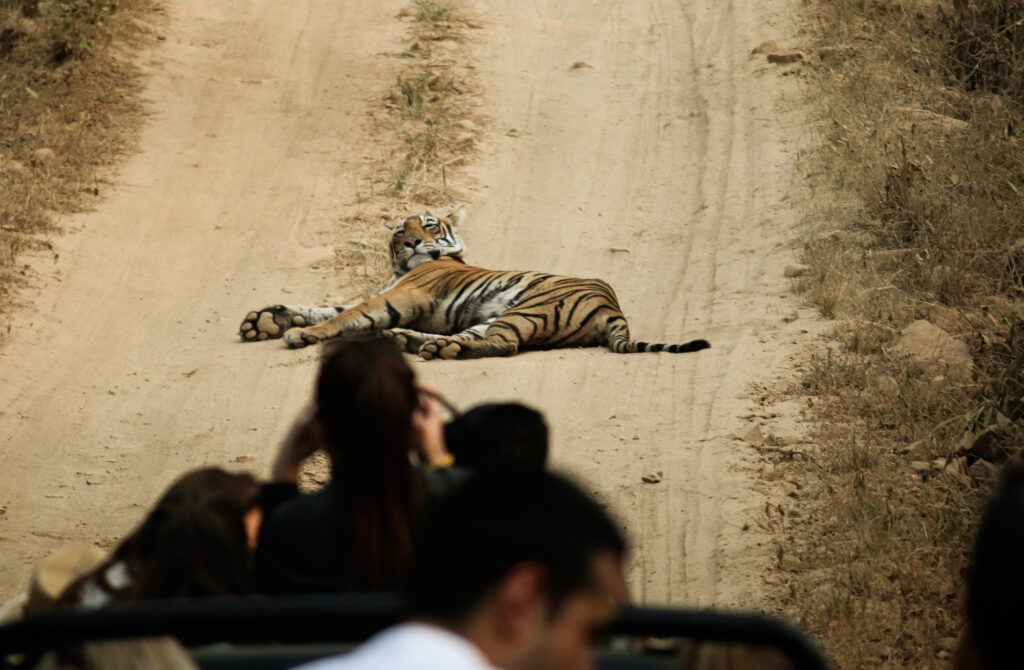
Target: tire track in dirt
(662, 168)
(129, 370)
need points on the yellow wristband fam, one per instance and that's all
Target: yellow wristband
(445, 461)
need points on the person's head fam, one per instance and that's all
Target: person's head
(498, 436)
(365, 397)
(366, 394)
(524, 565)
(195, 542)
(994, 594)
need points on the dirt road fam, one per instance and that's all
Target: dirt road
(664, 168)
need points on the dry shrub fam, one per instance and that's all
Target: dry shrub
(920, 180)
(68, 109)
(987, 38)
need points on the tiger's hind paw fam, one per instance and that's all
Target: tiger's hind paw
(440, 348)
(296, 338)
(269, 323)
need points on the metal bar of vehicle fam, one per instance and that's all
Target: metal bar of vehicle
(289, 622)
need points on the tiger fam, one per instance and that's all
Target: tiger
(440, 307)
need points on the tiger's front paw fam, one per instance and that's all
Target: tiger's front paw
(296, 338)
(440, 348)
(269, 323)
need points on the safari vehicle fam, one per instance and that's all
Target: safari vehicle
(277, 633)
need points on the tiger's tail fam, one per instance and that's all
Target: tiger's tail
(619, 342)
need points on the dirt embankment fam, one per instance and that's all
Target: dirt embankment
(663, 166)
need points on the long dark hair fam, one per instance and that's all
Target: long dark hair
(366, 395)
(191, 544)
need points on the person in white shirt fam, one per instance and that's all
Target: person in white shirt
(516, 571)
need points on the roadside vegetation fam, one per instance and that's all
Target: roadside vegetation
(68, 108)
(428, 129)
(917, 233)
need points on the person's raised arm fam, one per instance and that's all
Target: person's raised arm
(304, 439)
(428, 428)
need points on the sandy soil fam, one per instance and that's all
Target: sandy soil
(664, 168)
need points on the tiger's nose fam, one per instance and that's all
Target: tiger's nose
(411, 242)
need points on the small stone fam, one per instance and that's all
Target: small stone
(886, 384)
(795, 271)
(785, 59)
(986, 445)
(955, 320)
(753, 435)
(766, 47)
(579, 65)
(45, 155)
(982, 471)
(956, 466)
(935, 350)
(653, 478)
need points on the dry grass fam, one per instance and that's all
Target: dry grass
(430, 109)
(428, 129)
(68, 110)
(920, 215)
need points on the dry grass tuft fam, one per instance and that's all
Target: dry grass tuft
(920, 180)
(430, 111)
(427, 127)
(68, 109)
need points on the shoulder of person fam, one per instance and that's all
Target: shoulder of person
(439, 482)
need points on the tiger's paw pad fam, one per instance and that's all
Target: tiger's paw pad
(296, 338)
(269, 323)
(440, 348)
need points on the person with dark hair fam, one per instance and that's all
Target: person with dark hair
(516, 570)
(994, 593)
(355, 534)
(196, 541)
(498, 436)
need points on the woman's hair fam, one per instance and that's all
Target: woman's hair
(365, 396)
(191, 544)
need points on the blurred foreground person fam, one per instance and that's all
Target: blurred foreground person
(355, 534)
(995, 595)
(196, 542)
(498, 436)
(513, 570)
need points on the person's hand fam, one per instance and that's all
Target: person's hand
(428, 428)
(303, 440)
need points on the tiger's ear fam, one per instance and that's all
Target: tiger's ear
(458, 217)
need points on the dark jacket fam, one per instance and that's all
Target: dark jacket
(301, 548)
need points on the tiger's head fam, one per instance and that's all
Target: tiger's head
(423, 238)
